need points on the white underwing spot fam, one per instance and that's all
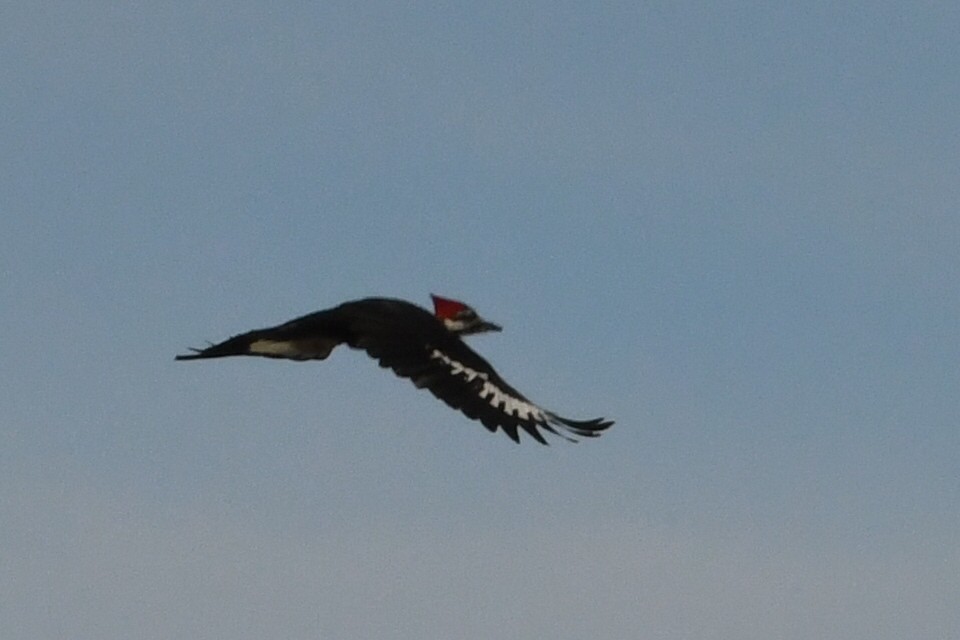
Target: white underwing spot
(494, 395)
(273, 348)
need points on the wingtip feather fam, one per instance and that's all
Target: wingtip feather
(582, 428)
(196, 355)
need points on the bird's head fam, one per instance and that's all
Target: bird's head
(459, 318)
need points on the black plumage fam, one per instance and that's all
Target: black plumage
(417, 345)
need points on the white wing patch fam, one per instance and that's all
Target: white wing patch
(490, 392)
(283, 348)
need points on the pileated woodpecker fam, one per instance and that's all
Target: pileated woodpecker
(415, 344)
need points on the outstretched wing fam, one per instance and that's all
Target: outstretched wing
(415, 345)
(456, 374)
(310, 337)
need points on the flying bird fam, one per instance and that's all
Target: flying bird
(424, 347)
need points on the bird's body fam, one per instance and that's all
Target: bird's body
(416, 344)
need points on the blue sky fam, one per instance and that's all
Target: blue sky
(732, 228)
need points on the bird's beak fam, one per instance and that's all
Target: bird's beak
(489, 326)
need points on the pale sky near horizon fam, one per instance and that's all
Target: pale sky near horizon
(730, 227)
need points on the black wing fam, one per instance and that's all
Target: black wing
(415, 345)
(310, 337)
(456, 374)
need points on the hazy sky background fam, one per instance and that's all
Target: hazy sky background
(732, 228)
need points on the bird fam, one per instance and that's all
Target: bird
(424, 347)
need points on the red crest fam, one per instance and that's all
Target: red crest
(444, 308)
